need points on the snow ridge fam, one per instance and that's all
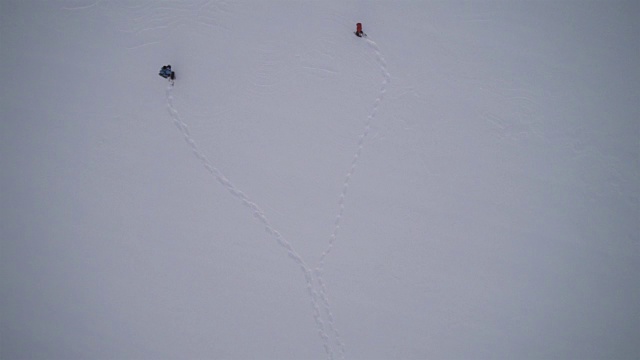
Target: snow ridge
(257, 213)
(343, 194)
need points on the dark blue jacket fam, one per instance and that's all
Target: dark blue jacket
(165, 72)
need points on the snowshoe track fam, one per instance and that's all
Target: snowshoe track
(343, 194)
(318, 297)
(257, 212)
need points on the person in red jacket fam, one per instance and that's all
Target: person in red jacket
(359, 32)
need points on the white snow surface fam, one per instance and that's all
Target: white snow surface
(462, 184)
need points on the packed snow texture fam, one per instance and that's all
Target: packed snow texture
(462, 183)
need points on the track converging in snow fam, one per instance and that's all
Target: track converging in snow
(317, 292)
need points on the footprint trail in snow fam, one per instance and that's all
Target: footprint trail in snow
(354, 162)
(319, 296)
(256, 212)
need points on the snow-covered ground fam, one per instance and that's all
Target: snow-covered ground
(464, 183)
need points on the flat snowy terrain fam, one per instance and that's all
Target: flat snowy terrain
(464, 183)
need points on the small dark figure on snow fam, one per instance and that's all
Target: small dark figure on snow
(167, 73)
(359, 32)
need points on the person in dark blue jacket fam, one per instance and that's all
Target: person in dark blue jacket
(167, 73)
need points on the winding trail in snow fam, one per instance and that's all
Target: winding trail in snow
(343, 194)
(257, 213)
(356, 157)
(320, 296)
